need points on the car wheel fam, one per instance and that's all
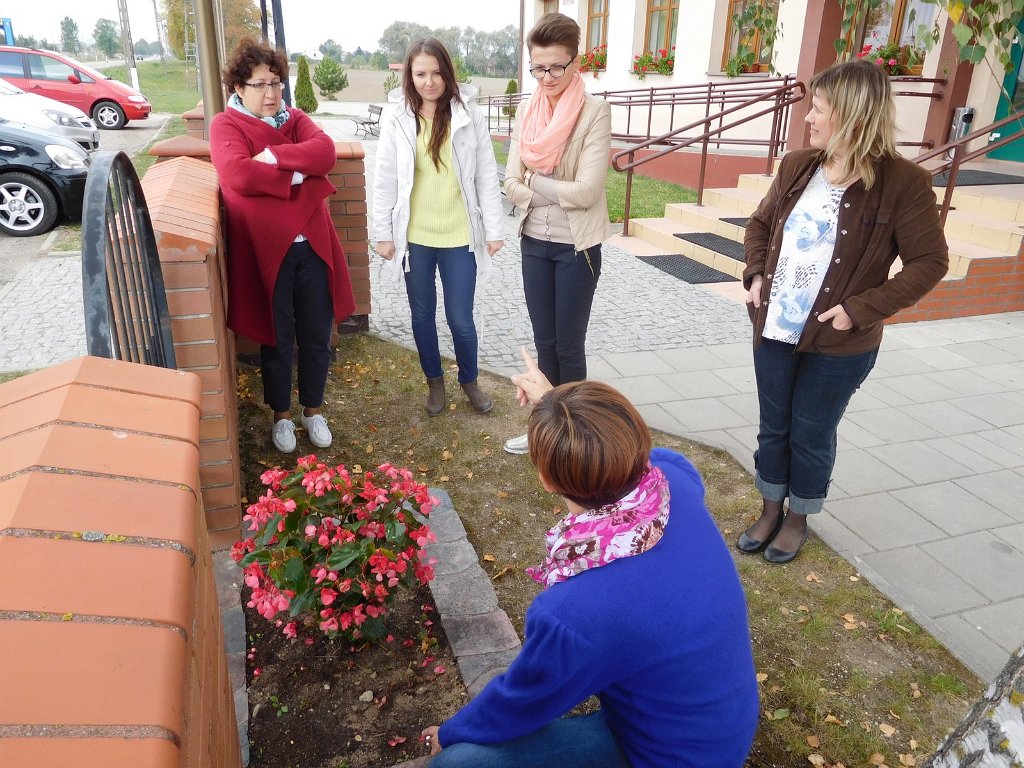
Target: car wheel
(27, 206)
(108, 116)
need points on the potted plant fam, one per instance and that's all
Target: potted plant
(896, 59)
(757, 20)
(595, 60)
(663, 62)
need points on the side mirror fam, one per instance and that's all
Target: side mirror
(74, 79)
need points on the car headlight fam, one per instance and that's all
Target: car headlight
(138, 99)
(64, 157)
(60, 118)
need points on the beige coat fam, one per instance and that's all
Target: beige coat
(582, 172)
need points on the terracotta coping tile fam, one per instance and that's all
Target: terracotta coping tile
(98, 579)
(54, 672)
(91, 753)
(104, 408)
(181, 146)
(64, 502)
(349, 150)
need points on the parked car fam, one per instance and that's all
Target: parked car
(110, 102)
(47, 115)
(42, 177)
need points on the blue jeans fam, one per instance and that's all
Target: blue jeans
(569, 742)
(458, 279)
(802, 396)
(559, 283)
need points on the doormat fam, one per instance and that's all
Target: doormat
(686, 269)
(971, 178)
(736, 221)
(714, 242)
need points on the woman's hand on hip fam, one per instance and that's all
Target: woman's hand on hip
(493, 246)
(754, 294)
(840, 319)
(386, 249)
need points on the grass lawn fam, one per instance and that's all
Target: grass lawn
(648, 198)
(166, 85)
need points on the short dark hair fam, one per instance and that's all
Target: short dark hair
(589, 443)
(247, 56)
(555, 29)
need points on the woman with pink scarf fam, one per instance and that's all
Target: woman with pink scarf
(641, 606)
(555, 176)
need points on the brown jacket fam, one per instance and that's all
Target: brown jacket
(897, 216)
(581, 174)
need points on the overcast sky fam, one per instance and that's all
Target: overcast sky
(307, 23)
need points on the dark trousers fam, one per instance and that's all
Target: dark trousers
(559, 283)
(802, 397)
(303, 314)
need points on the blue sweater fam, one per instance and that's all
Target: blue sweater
(661, 638)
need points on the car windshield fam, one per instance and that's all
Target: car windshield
(86, 70)
(6, 89)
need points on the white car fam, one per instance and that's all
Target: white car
(47, 115)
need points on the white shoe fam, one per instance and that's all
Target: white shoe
(316, 428)
(284, 435)
(517, 445)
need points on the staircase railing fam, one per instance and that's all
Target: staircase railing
(957, 154)
(777, 100)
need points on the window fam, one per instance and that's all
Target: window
(662, 17)
(750, 39)
(45, 68)
(11, 64)
(597, 24)
(896, 22)
(549, 6)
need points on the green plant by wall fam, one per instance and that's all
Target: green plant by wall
(330, 78)
(305, 99)
(510, 89)
(662, 62)
(390, 83)
(757, 19)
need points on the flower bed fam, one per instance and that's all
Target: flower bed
(663, 62)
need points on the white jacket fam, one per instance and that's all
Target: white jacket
(475, 168)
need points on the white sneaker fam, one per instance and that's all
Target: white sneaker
(284, 435)
(517, 445)
(316, 428)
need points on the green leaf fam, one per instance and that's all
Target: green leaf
(270, 531)
(294, 570)
(780, 714)
(373, 629)
(963, 35)
(840, 46)
(256, 556)
(300, 603)
(344, 556)
(973, 53)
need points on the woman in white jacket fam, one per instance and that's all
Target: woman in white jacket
(437, 207)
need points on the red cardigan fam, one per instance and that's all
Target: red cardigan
(265, 212)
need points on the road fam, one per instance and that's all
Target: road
(17, 252)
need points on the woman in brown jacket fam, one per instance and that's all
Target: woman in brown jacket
(818, 251)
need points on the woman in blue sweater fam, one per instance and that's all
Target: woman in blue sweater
(642, 607)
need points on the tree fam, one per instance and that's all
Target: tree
(330, 77)
(305, 99)
(106, 37)
(390, 83)
(26, 41)
(241, 19)
(462, 72)
(69, 36)
(331, 49)
(396, 38)
(379, 60)
(510, 89)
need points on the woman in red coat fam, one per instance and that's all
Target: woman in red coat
(287, 277)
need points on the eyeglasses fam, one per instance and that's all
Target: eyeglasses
(555, 71)
(277, 85)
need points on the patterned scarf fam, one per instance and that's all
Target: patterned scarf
(276, 120)
(544, 133)
(595, 537)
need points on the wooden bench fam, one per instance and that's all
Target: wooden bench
(369, 126)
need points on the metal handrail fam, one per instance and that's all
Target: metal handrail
(783, 96)
(126, 316)
(961, 156)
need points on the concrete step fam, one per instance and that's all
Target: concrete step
(742, 202)
(705, 218)
(661, 233)
(984, 229)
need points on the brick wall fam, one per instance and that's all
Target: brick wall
(109, 621)
(184, 204)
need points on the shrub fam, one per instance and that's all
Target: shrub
(510, 89)
(305, 99)
(390, 83)
(330, 78)
(328, 550)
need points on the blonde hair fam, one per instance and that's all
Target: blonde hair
(865, 116)
(589, 442)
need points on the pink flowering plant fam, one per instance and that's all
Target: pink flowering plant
(894, 59)
(328, 550)
(595, 60)
(663, 62)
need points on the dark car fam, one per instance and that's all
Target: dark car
(41, 178)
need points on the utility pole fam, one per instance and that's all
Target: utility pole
(209, 64)
(280, 43)
(127, 44)
(160, 37)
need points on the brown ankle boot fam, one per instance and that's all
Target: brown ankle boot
(477, 397)
(435, 397)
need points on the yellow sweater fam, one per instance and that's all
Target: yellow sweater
(437, 212)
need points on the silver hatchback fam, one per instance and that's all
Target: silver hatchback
(44, 114)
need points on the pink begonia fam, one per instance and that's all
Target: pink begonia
(273, 477)
(290, 631)
(893, 62)
(310, 531)
(328, 596)
(879, 61)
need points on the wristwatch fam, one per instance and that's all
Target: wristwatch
(527, 177)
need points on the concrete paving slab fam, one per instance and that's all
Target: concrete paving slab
(996, 445)
(998, 409)
(939, 358)
(744, 404)
(1008, 375)
(851, 434)
(837, 535)
(1003, 489)
(598, 368)
(965, 381)
(690, 359)
(862, 401)
(971, 645)
(883, 521)
(637, 363)
(925, 585)
(953, 509)
(703, 414)
(889, 397)
(658, 418)
(988, 563)
(861, 473)
(945, 418)
(739, 377)
(915, 335)
(974, 461)
(689, 385)
(738, 354)
(892, 425)
(919, 388)
(898, 363)
(979, 352)
(642, 390)
(919, 462)
(1012, 535)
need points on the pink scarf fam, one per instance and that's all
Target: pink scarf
(544, 133)
(596, 537)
